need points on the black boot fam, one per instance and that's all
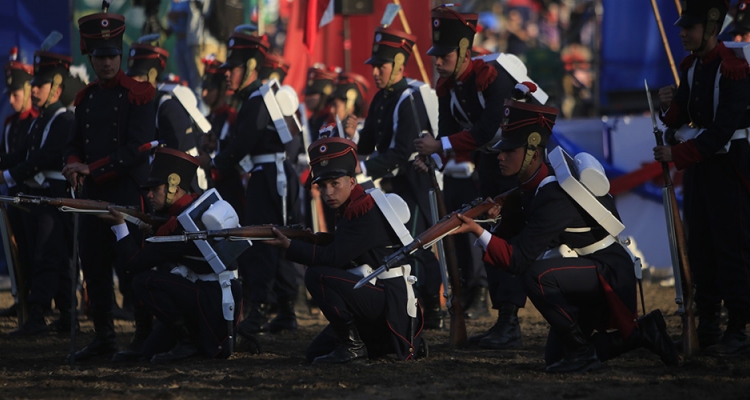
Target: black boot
(579, 355)
(286, 319)
(433, 316)
(61, 326)
(506, 333)
(350, 348)
(654, 336)
(143, 326)
(184, 348)
(104, 343)
(256, 322)
(709, 325)
(34, 325)
(478, 304)
(734, 341)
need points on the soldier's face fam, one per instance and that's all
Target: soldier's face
(210, 95)
(446, 64)
(692, 37)
(510, 161)
(105, 67)
(39, 94)
(742, 37)
(16, 100)
(157, 196)
(338, 107)
(381, 73)
(312, 101)
(234, 77)
(336, 192)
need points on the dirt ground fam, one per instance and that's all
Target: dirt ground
(35, 368)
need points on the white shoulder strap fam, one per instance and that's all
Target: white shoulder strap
(404, 95)
(390, 214)
(49, 124)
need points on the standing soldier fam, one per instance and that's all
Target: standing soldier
(17, 83)
(272, 188)
(114, 116)
(221, 117)
(466, 89)
(320, 85)
(395, 118)
(712, 103)
(47, 229)
(174, 128)
(347, 102)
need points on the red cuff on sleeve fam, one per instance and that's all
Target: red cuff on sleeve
(498, 253)
(462, 142)
(685, 154)
(73, 159)
(99, 163)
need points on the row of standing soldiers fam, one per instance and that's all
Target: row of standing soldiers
(102, 146)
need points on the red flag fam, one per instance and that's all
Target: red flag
(319, 14)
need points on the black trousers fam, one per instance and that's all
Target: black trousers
(48, 234)
(333, 291)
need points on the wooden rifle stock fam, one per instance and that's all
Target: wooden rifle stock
(264, 232)
(458, 338)
(690, 345)
(84, 205)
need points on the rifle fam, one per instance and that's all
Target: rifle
(252, 232)
(130, 213)
(441, 229)
(678, 249)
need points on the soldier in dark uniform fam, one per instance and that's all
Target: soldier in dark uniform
(114, 116)
(37, 165)
(174, 128)
(256, 147)
(17, 84)
(713, 100)
(466, 89)
(395, 118)
(222, 116)
(371, 321)
(348, 103)
(319, 86)
(592, 289)
(183, 292)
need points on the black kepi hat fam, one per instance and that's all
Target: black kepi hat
(451, 29)
(389, 42)
(331, 158)
(702, 12)
(17, 74)
(273, 67)
(172, 167)
(147, 59)
(101, 33)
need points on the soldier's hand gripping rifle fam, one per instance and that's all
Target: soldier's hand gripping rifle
(252, 232)
(131, 214)
(678, 248)
(441, 229)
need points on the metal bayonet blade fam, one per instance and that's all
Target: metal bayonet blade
(167, 239)
(366, 280)
(650, 104)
